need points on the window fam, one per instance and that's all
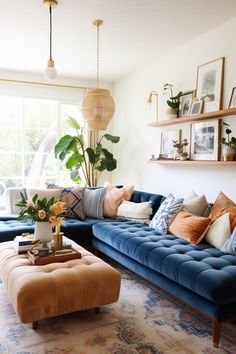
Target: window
(29, 130)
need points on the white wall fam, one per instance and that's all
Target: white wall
(133, 113)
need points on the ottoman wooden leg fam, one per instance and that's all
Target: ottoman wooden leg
(97, 310)
(35, 325)
(216, 333)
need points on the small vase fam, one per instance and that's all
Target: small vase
(43, 231)
(171, 114)
(228, 153)
(57, 238)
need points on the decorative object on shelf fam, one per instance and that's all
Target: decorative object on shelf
(85, 163)
(167, 151)
(45, 213)
(180, 147)
(173, 102)
(98, 106)
(50, 71)
(210, 84)
(232, 101)
(154, 93)
(204, 140)
(196, 108)
(185, 102)
(229, 144)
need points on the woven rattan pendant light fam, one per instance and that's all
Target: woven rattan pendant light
(98, 106)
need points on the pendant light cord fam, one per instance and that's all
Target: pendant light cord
(98, 55)
(50, 36)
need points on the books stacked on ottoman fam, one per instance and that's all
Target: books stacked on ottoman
(23, 243)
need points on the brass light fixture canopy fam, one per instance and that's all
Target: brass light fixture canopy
(48, 3)
(98, 106)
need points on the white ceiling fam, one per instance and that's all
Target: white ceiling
(134, 32)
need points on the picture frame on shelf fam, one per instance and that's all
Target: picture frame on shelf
(167, 151)
(209, 85)
(204, 140)
(196, 108)
(185, 102)
(232, 101)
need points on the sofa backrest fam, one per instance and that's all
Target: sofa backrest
(155, 199)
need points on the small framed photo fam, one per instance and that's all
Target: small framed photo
(210, 84)
(167, 150)
(232, 102)
(204, 140)
(185, 102)
(196, 108)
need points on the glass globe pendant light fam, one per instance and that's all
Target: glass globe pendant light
(50, 71)
(98, 106)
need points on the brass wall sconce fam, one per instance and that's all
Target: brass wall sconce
(154, 93)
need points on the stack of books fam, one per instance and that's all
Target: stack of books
(22, 244)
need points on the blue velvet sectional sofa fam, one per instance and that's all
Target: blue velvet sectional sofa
(201, 275)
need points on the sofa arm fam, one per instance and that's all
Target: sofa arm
(12, 197)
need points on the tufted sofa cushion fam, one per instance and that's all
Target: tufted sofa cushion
(202, 269)
(77, 230)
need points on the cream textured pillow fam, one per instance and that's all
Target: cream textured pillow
(139, 212)
(44, 193)
(219, 231)
(114, 197)
(195, 204)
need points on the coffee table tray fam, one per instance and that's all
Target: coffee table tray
(58, 256)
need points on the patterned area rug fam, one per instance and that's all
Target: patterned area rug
(146, 320)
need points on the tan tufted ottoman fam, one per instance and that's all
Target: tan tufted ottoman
(38, 292)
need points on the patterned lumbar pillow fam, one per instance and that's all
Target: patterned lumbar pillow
(93, 202)
(166, 213)
(139, 212)
(191, 228)
(73, 199)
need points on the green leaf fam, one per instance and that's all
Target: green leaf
(73, 123)
(34, 199)
(112, 138)
(62, 145)
(228, 131)
(75, 175)
(108, 155)
(75, 159)
(91, 155)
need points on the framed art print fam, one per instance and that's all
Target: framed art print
(204, 140)
(196, 108)
(167, 150)
(210, 84)
(232, 102)
(185, 102)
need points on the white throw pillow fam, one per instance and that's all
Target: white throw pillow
(195, 204)
(139, 212)
(219, 231)
(44, 193)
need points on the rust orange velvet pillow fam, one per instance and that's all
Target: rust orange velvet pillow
(224, 205)
(191, 228)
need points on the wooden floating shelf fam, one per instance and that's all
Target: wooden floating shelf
(194, 162)
(196, 118)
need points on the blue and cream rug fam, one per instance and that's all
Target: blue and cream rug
(144, 321)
